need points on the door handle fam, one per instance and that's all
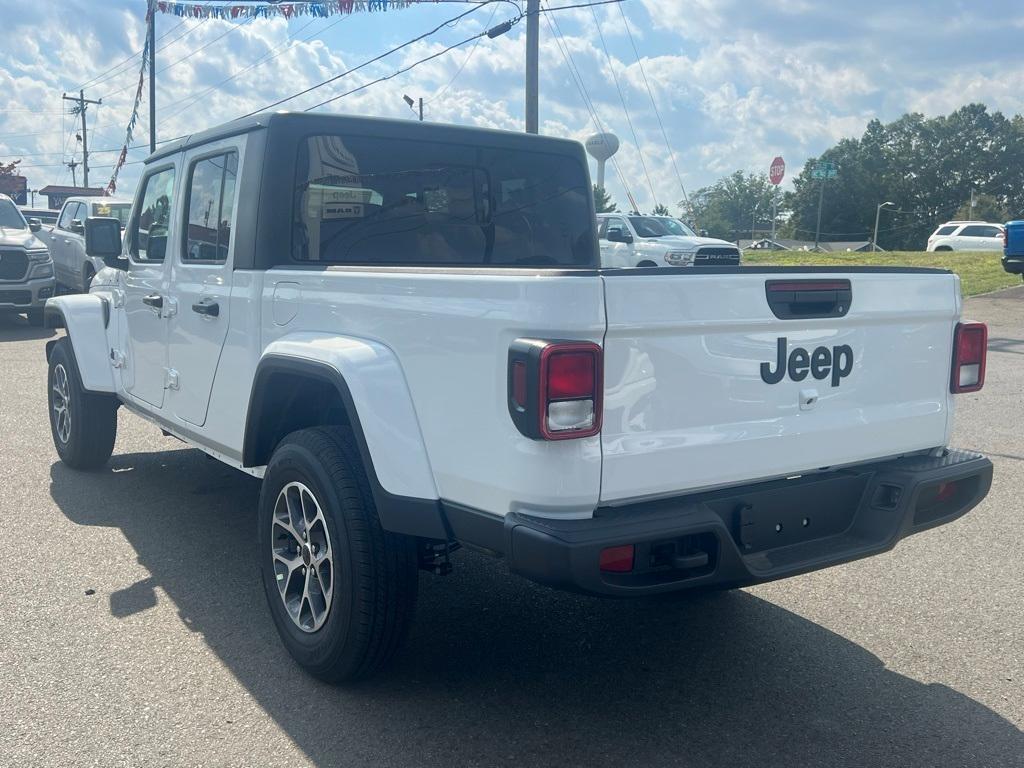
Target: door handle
(154, 300)
(207, 307)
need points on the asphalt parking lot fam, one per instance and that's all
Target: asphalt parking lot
(133, 630)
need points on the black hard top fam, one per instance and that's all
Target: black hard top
(308, 123)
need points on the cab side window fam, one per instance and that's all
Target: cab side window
(69, 214)
(211, 205)
(151, 227)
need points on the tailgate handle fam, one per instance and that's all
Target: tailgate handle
(803, 299)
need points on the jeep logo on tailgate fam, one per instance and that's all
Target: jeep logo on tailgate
(821, 364)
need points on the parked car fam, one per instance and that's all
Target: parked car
(66, 238)
(1013, 248)
(967, 236)
(630, 240)
(44, 216)
(404, 329)
(26, 271)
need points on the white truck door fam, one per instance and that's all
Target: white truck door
(620, 254)
(201, 277)
(147, 303)
(59, 243)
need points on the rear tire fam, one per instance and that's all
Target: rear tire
(341, 589)
(83, 424)
(647, 263)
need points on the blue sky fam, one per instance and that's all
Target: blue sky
(736, 81)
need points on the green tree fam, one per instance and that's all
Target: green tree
(727, 208)
(9, 169)
(927, 167)
(661, 210)
(986, 208)
(603, 201)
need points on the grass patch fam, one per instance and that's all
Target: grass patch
(980, 271)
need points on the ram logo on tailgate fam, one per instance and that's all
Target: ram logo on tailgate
(822, 363)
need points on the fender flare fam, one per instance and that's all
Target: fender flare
(373, 392)
(85, 317)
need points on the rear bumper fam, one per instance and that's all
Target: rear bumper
(30, 294)
(1014, 264)
(747, 535)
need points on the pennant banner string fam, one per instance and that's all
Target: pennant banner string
(314, 8)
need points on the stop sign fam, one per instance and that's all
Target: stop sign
(778, 170)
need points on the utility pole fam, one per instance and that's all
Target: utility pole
(532, 64)
(152, 77)
(80, 109)
(72, 165)
(817, 229)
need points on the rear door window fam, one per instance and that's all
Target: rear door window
(949, 229)
(211, 205)
(374, 201)
(980, 230)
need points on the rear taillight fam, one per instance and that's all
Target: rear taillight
(970, 342)
(554, 388)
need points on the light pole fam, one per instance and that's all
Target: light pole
(753, 222)
(878, 212)
(408, 100)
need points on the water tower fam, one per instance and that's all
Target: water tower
(601, 146)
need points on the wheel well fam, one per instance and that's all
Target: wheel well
(647, 263)
(285, 401)
(943, 248)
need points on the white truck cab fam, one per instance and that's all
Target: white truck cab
(633, 240)
(66, 238)
(405, 330)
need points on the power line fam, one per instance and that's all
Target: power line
(270, 56)
(657, 113)
(625, 109)
(373, 60)
(577, 78)
(227, 32)
(131, 58)
(465, 61)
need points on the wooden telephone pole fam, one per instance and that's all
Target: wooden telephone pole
(82, 103)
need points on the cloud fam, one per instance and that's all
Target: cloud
(735, 81)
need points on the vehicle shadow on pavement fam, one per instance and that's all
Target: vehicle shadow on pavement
(499, 671)
(17, 328)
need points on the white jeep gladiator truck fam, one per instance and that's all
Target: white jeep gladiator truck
(404, 330)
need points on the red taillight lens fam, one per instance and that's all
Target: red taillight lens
(970, 344)
(571, 375)
(617, 559)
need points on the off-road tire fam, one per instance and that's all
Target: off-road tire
(374, 574)
(86, 440)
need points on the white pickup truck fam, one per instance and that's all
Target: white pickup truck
(634, 240)
(403, 329)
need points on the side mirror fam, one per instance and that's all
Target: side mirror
(103, 239)
(35, 224)
(76, 226)
(616, 235)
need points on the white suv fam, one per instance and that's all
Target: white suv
(967, 236)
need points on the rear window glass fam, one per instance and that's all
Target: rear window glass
(366, 200)
(949, 229)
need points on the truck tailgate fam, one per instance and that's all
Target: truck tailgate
(695, 397)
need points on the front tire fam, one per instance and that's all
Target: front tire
(341, 590)
(83, 424)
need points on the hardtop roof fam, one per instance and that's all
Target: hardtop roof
(357, 124)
